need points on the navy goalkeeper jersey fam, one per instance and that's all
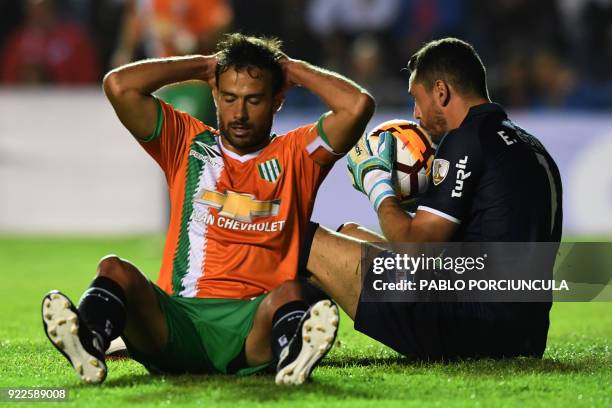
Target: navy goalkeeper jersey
(496, 180)
(500, 185)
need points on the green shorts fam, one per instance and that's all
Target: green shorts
(204, 335)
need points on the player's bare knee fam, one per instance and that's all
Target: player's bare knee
(348, 227)
(109, 263)
(113, 267)
(282, 294)
(288, 291)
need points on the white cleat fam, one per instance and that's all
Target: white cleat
(117, 349)
(62, 326)
(314, 338)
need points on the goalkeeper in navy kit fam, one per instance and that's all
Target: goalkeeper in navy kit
(492, 182)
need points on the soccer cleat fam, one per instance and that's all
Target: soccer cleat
(117, 349)
(72, 337)
(313, 339)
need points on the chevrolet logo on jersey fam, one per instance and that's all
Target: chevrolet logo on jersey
(239, 206)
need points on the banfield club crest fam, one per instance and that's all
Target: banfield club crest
(270, 170)
(439, 170)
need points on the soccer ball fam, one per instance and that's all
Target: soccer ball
(413, 157)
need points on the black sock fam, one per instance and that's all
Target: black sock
(102, 307)
(310, 292)
(285, 323)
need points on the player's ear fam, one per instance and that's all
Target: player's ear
(279, 99)
(215, 95)
(442, 93)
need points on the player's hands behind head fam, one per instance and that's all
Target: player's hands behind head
(371, 172)
(287, 64)
(209, 66)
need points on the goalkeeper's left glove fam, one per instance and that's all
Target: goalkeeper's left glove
(371, 172)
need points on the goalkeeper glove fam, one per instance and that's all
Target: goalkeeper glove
(371, 172)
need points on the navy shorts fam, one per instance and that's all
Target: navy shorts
(455, 330)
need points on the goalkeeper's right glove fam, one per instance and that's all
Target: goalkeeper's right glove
(371, 172)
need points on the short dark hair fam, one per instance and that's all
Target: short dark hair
(241, 52)
(452, 60)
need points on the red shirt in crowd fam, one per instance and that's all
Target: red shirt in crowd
(62, 54)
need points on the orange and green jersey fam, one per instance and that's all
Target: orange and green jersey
(236, 222)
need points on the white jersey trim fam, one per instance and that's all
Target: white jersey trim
(439, 213)
(319, 142)
(236, 156)
(197, 230)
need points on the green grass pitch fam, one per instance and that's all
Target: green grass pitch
(575, 372)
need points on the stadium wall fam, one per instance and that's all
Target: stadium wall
(68, 166)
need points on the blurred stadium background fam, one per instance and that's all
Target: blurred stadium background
(68, 167)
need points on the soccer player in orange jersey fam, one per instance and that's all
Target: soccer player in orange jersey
(226, 300)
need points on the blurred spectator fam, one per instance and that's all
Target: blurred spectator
(543, 54)
(11, 16)
(514, 32)
(597, 20)
(367, 62)
(338, 22)
(553, 81)
(282, 19)
(48, 49)
(514, 87)
(164, 28)
(171, 27)
(589, 26)
(259, 17)
(423, 20)
(372, 40)
(104, 17)
(518, 26)
(365, 59)
(351, 16)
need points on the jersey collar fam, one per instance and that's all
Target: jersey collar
(490, 107)
(236, 156)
